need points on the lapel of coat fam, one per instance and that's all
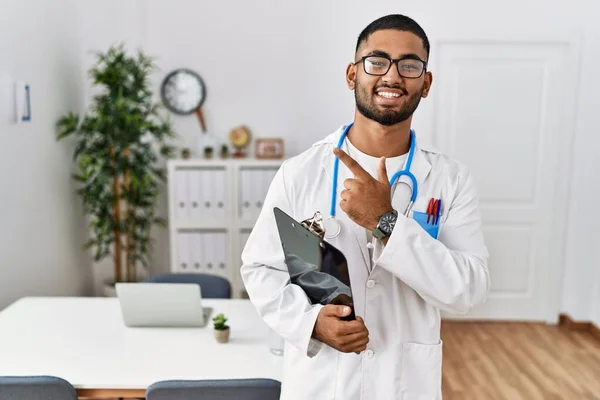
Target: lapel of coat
(420, 168)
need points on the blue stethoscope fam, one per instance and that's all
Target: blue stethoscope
(331, 224)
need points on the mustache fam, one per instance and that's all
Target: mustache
(397, 87)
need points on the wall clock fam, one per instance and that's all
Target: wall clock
(183, 92)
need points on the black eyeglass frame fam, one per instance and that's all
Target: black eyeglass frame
(392, 62)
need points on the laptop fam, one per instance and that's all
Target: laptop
(162, 304)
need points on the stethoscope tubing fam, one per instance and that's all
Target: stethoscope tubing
(404, 172)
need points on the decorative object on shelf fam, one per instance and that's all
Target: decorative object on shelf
(185, 153)
(240, 139)
(117, 172)
(183, 92)
(224, 151)
(208, 152)
(221, 328)
(269, 148)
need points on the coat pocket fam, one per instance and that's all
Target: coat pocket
(421, 372)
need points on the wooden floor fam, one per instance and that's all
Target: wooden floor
(513, 361)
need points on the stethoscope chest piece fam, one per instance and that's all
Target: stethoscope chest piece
(332, 228)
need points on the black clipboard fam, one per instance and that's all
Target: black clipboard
(319, 268)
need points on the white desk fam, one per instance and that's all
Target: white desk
(84, 341)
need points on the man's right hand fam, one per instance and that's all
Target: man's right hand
(345, 336)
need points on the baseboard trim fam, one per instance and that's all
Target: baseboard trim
(567, 322)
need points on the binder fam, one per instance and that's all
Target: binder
(195, 193)
(245, 198)
(207, 194)
(181, 194)
(209, 251)
(222, 253)
(220, 193)
(315, 265)
(197, 249)
(183, 251)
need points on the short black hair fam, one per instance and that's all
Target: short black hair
(394, 21)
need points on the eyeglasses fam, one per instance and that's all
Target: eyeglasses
(380, 65)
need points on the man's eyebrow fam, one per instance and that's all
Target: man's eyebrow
(408, 56)
(379, 53)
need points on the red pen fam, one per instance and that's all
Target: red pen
(430, 209)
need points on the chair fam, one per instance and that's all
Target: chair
(36, 388)
(226, 389)
(212, 286)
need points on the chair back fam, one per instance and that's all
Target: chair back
(212, 286)
(226, 389)
(36, 388)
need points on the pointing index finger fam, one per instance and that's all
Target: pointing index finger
(351, 163)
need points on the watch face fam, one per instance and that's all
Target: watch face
(387, 223)
(183, 91)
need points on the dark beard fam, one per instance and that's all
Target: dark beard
(385, 117)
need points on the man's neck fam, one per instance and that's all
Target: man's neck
(378, 140)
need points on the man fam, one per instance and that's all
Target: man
(404, 269)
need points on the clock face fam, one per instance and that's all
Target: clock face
(183, 91)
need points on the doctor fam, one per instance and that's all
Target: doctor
(404, 269)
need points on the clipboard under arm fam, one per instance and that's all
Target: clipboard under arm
(319, 268)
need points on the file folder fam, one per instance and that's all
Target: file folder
(315, 265)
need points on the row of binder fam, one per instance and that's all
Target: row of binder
(202, 252)
(254, 185)
(201, 193)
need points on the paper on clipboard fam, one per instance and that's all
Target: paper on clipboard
(319, 268)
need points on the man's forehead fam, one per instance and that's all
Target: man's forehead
(394, 42)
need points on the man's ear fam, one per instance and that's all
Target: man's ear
(351, 76)
(427, 84)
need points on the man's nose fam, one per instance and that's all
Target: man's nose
(393, 75)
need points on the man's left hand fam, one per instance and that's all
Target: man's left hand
(365, 198)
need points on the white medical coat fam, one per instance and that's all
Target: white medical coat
(413, 277)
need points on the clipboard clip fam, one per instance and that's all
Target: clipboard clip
(315, 224)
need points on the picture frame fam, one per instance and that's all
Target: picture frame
(269, 148)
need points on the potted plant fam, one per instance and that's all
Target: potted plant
(119, 143)
(224, 151)
(208, 152)
(221, 329)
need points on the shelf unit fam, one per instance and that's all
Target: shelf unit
(213, 205)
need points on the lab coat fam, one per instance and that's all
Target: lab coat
(412, 278)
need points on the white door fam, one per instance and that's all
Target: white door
(505, 109)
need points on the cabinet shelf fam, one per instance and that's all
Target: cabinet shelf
(213, 206)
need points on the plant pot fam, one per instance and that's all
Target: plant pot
(222, 336)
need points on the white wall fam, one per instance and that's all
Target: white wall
(40, 224)
(279, 68)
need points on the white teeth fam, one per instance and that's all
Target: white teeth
(389, 95)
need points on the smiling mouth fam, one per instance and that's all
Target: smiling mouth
(389, 95)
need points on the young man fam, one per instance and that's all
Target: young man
(407, 261)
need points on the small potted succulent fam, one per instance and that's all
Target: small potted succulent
(221, 329)
(224, 151)
(208, 152)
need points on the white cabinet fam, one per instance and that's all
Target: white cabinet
(213, 205)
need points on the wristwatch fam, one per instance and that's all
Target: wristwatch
(385, 225)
